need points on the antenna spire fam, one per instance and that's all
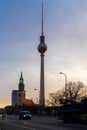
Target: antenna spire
(42, 20)
(42, 37)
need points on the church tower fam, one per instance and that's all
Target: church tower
(21, 91)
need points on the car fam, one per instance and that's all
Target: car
(25, 115)
(3, 112)
(1, 116)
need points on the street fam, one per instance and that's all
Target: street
(38, 123)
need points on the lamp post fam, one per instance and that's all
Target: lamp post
(39, 100)
(39, 94)
(65, 82)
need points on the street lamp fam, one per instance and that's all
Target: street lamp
(39, 99)
(65, 81)
(39, 94)
(36, 90)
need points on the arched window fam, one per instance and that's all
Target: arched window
(19, 94)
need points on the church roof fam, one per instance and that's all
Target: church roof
(28, 102)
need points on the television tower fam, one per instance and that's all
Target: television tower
(42, 47)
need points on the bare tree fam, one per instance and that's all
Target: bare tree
(54, 98)
(74, 91)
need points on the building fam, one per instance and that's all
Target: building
(21, 91)
(14, 97)
(19, 96)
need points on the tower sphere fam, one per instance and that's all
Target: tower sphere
(42, 47)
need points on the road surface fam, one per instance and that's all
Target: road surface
(38, 123)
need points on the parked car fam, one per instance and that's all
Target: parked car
(25, 115)
(3, 113)
(1, 116)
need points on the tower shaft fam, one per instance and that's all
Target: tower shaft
(42, 95)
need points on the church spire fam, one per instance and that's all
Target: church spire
(21, 78)
(21, 83)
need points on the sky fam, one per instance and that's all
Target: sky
(65, 30)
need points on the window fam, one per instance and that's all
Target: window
(19, 94)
